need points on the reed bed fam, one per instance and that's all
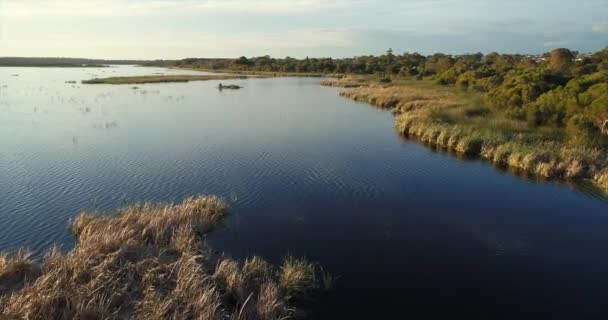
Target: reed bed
(345, 82)
(150, 261)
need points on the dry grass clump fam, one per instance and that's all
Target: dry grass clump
(16, 270)
(442, 118)
(297, 276)
(148, 262)
(345, 82)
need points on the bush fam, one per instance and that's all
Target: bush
(583, 130)
(438, 115)
(476, 111)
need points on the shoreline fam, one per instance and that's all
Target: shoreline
(432, 115)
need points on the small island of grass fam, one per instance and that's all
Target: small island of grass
(150, 261)
(161, 79)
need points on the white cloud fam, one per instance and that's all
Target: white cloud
(199, 44)
(600, 27)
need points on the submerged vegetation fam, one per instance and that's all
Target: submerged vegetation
(160, 79)
(150, 262)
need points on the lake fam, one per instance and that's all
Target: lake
(409, 231)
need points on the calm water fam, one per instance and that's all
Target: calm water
(409, 231)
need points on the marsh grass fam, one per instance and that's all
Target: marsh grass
(350, 81)
(458, 122)
(297, 276)
(161, 79)
(150, 261)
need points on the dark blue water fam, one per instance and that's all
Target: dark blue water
(412, 233)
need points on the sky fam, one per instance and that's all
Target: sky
(175, 29)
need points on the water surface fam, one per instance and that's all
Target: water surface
(408, 230)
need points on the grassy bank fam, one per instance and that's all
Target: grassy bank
(150, 262)
(161, 79)
(450, 119)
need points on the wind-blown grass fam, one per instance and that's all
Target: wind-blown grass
(150, 262)
(161, 79)
(446, 119)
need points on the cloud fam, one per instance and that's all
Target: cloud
(273, 6)
(181, 28)
(299, 39)
(35, 9)
(114, 8)
(296, 42)
(600, 27)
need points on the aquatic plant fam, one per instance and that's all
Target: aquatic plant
(297, 276)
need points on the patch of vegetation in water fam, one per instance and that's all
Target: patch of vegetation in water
(229, 87)
(150, 261)
(160, 79)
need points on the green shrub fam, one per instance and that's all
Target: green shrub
(583, 130)
(476, 111)
(438, 115)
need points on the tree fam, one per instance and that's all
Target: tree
(243, 62)
(560, 60)
(439, 63)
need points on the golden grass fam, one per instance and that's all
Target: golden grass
(297, 276)
(161, 79)
(16, 270)
(349, 81)
(404, 98)
(447, 119)
(149, 262)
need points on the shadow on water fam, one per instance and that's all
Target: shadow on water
(585, 187)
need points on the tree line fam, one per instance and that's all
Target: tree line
(559, 88)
